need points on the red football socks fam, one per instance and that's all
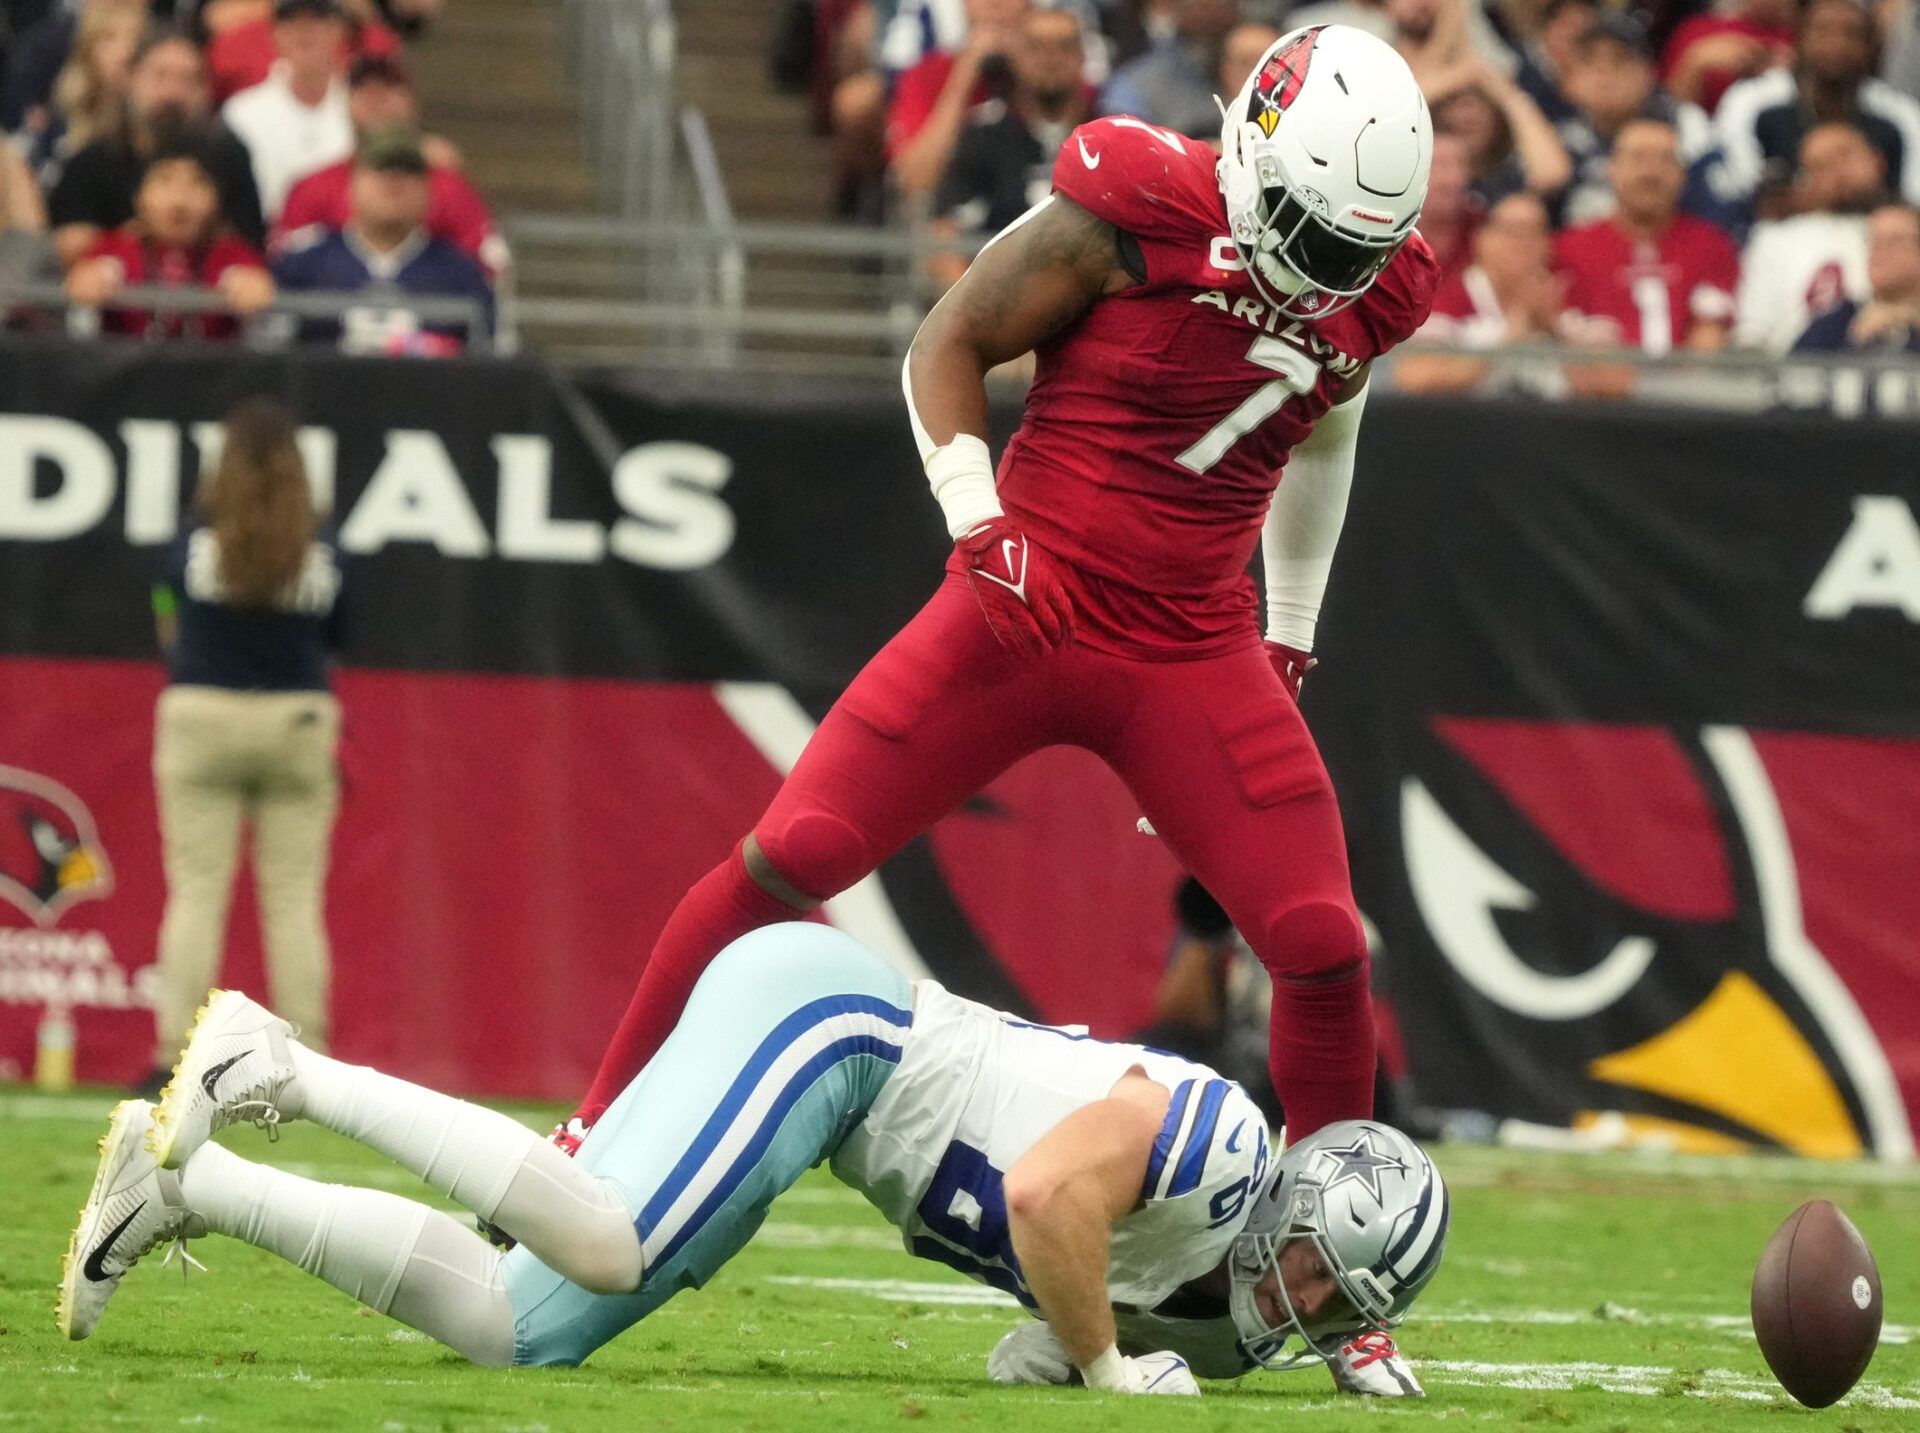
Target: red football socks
(1322, 1051)
(723, 905)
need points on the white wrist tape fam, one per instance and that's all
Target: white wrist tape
(961, 476)
(1303, 525)
(1109, 1371)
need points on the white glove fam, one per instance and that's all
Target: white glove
(1030, 1354)
(1158, 1373)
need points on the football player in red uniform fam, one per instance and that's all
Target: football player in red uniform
(1201, 321)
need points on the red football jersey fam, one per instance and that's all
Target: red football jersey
(455, 212)
(1649, 294)
(1158, 425)
(144, 263)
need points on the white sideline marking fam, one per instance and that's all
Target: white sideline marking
(1734, 1325)
(780, 728)
(815, 1236)
(926, 1292)
(827, 1194)
(913, 1291)
(1634, 1378)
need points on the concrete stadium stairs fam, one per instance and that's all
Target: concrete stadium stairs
(493, 78)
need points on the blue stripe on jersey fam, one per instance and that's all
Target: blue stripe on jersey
(783, 1103)
(994, 1275)
(1163, 1142)
(1193, 1157)
(770, 1049)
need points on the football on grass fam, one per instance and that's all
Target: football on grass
(1816, 1304)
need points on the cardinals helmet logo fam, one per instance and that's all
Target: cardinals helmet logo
(50, 852)
(1280, 81)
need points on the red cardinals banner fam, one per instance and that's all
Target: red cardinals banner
(1630, 750)
(1621, 704)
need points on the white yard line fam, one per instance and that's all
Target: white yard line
(898, 1291)
(826, 1236)
(1635, 1378)
(930, 1292)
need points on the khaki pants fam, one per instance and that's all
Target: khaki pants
(222, 758)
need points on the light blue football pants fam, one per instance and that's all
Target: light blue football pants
(785, 1044)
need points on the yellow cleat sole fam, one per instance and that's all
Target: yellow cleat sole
(109, 1147)
(166, 1114)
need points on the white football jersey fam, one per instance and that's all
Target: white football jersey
(976, 1089)
(1793, 271)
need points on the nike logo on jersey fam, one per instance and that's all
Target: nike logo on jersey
(1009, 549)
(1233, 1140)
(1092, 161)
(212, 1076)
(95, 1268)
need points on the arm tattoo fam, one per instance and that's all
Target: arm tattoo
(1041, 276)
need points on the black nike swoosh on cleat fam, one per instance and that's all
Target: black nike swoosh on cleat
(95, 1267)
(208, 1080)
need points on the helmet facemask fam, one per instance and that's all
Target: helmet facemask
(1358, 1306)
(1301, 263)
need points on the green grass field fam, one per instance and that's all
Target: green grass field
(1597, 1292)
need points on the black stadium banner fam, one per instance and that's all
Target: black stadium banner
(1622, 702)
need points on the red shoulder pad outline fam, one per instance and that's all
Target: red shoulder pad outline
(1141, 177)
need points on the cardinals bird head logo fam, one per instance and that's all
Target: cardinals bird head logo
(1280, 80)
(50, 852)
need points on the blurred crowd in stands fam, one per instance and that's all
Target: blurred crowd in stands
(247, 148)
(1664, 175)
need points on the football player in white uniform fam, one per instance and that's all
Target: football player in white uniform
(1129, 1199)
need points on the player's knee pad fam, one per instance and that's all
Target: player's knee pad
(1314, 941)
(815, 852)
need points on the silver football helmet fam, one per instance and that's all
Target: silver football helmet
(1374, 1207)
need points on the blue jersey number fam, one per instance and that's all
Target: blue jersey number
(965, 1207)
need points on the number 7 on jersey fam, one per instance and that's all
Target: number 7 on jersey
(1298, 374)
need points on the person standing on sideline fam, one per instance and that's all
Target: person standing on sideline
(247, 728)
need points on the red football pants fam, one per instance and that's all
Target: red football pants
(1214, 750)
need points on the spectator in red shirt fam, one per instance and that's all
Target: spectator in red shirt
(242, 50)
(380, 96)
(931, 100)
(1509, 295)
(176, 239)
(1649, 276)
(1708, 53)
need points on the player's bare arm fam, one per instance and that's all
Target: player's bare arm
(1031, 282)
(1040, 275)
(1063, 1198)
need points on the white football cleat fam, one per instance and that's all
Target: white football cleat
(1371, 1364)
(234, 1067)
(134, 1205)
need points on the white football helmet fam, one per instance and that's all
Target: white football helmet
(1375, 1208)
(1323, 165)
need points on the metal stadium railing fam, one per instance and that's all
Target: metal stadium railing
(273, 327)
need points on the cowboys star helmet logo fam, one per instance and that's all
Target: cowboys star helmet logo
(1360, 1163)
(1280, 81)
